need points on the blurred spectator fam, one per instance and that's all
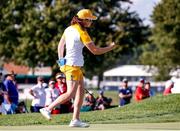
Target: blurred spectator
(89, 102)
(62, 87)
(39, 95)
(176, 87)
(102, 102)
(51, 94)
(139, 92)
(147, 89)
(21, 107)
(45, 85)
(2, 91)
(61, 83)
(14, 80)
(168, 86)
(125, 93)
(11, 97)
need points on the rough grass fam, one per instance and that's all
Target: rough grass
(153, 110)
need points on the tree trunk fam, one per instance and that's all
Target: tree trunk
(100, 78)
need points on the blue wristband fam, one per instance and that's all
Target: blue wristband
(61, 62)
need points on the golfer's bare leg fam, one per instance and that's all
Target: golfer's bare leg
(78, 100)
(71, 90)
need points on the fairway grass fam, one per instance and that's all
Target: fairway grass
(99, 127)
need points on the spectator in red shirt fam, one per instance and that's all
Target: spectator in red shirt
(139, 93)
(61, 83)
(147, 89)
(62, 87)
(168, 86)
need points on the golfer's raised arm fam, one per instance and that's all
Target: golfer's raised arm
(100, 50)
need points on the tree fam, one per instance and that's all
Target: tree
(163, 50)
(29, 31)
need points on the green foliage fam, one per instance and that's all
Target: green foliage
(153, 110)
(30, 31)
(163, 51)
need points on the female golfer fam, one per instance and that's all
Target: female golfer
(75, 37)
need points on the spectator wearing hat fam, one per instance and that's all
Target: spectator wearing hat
(51, 94)
(168, 87)
(61, 85)
(139, 92)
(125, 93)
(12, 96)
(89, 102)
(39, 95)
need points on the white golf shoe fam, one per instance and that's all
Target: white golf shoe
(45, 113)
(78, 123)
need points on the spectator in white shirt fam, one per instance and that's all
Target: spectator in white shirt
(39, 95)
(51, 93)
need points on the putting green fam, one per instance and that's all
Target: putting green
(99, 127)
